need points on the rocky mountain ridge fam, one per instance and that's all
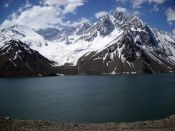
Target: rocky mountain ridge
(117, 43)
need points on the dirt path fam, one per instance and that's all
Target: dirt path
(7, 124)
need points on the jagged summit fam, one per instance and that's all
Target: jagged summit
(116, 43)
(82, 28)
(104, 26)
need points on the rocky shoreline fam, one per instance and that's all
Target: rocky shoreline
(9, 124)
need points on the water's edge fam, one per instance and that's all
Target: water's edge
(82, 74)
(8, 124)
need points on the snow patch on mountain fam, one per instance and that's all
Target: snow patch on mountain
(24, 34)
(63, 53)
(67, 45)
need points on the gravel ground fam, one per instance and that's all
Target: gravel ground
(9, 124)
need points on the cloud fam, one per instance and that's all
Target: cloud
(156, 1)
(173, 31)
(100, 14)
(170, 14)
(36, 17)
(82, 20)
(49, 13)
(128, 11)
(136, 12)
(155, 8)
(68, 5)
(71, 7)
(121, 9)
(55, 2)
(121, 1)
(6, 5)
(138, 3)
(27, 4)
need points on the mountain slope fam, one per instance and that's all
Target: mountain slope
(125, 56)
(24, 34)
(17, 59)
(117, 43)
(140, 49)
(114, 29)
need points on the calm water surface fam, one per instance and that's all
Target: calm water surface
(89, 98)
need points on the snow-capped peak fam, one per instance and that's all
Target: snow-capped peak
(24, 34)
(82, 28)
(67, 45)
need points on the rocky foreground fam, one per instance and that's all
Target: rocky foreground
(8, 124)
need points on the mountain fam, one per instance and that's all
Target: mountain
(117, 43)
(17, 59)
(24, 34)
(139, 49)
(62, 34)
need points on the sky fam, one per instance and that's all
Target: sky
(57, 13)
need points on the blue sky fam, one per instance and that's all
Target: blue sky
(49, 13)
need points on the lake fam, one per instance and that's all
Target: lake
(87, 99)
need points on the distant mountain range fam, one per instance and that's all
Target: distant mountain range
(117, 43)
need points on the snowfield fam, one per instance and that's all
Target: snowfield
(68, 47)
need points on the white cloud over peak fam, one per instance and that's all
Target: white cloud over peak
(100, 14)
(128, 11)
(137, 13)
(122, 1)
(84, 20)
(170, 14)
(49, 13)
(121, 9)
(80, 21)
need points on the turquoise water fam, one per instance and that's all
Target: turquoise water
(89, 98)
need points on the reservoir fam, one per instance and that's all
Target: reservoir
(89, 99)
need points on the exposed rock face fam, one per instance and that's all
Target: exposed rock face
(117, 43)
(131, 60)
(82, 28)
(17, 59)
(135, 52)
